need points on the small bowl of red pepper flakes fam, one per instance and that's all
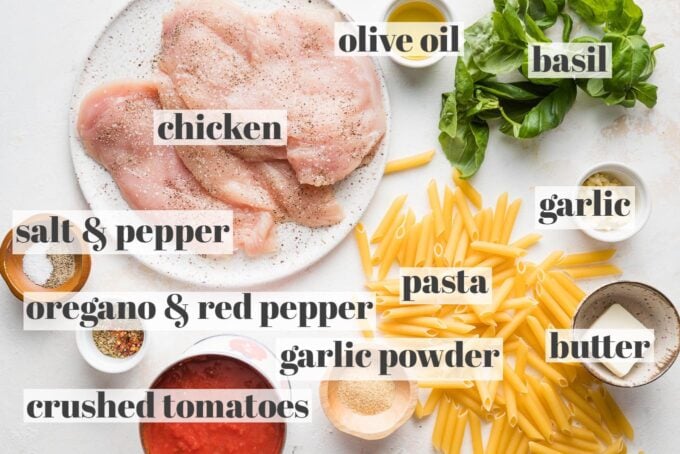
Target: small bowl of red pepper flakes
(112, 351)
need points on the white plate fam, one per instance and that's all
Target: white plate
(126, 50)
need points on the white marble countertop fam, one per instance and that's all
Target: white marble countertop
(43, 46)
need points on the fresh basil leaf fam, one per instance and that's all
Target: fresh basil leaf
(545, 115)
(613, 99)
(448, 117)
(516, 91)
(625, 17)
(595, 88)
(649, 69)
(594, 12)
(465, 85)
(485, 103)
(487, 52)
(544, 12)
(645, 93)
(513, 23)
(631, 60)
(534, 31)
(568, 26)
(466, 150)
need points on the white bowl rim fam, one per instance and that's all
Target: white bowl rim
(641, 217)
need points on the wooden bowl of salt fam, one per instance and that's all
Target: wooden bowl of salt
(61, 272)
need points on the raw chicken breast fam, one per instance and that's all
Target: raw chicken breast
(263, 185)
(115, 124)
(305, 204)
(221, 56)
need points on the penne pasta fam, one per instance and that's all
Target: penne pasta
(409, 162)
(529, 430)
(476, 434)
(542, 408)
(415, 310)
(513, 379)
(402, 329)
(496, 432)
(598, 399)
(509, 221)
(470, 192)
(576, 400)
(568, 284)
(587, 258)
(387, 239)
(497, 249)
(499, 218)
(556, 407)
(465, 213)
(521, 358)
(487, 224)
(364, 250)
(514, 441)
(412, 245)
(454, 238)
(418, 413)
(592, 425)
(576, 444)
(620, 418)
(461, 249)
(431, 403)
(544, 266)
(447, 209)
(391, 252)
(533, 408)
(547, 370)
(461, 424)
(428, 322)
(421, 248)
(510, 404)
(445, 405)
(588, 272)
(505, 437)
(511, 326)
(435, 206)
(537, 448)
(388, 219)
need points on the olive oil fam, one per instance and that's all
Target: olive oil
(416, 11)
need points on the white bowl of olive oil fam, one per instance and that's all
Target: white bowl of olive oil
(417, 11)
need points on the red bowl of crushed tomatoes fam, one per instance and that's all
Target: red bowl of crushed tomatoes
(218, 362)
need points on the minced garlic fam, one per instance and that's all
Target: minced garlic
(602, 179)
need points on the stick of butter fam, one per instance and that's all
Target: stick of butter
(618, 318)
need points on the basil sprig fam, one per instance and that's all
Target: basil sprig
(497, 45)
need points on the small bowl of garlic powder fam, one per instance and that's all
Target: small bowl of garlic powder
(616, 175)
(44, 267)
(360, 404)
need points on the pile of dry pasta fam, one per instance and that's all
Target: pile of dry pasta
(538, 407)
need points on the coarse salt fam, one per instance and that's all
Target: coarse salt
(37, 267)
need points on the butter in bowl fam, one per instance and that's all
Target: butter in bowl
(626, 305)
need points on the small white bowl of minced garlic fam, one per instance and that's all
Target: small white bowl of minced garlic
(612, 174)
